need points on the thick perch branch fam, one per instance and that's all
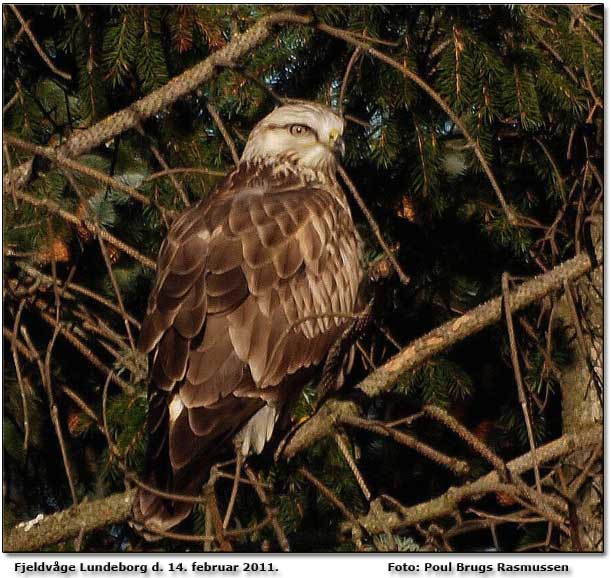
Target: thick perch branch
(86, 516)
(440, 339)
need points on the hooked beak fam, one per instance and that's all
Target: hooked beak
(337, 143)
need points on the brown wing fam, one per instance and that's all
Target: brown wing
(235, 277)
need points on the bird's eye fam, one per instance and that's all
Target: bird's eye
(298, 129)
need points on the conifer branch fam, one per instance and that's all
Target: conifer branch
(55, 208)
(130, 117)
(444, 337)
(51, 154)
(88, 516)
(351, 39)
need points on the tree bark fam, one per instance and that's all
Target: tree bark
(581, 406)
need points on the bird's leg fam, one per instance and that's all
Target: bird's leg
(333, 371)
(340, 356)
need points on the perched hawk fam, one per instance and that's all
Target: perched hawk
(240, 313)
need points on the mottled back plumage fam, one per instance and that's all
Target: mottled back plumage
(229, 325)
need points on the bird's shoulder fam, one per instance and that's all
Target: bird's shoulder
(272, 203)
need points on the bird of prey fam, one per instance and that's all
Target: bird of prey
(248, 280)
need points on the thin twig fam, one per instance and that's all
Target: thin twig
(194, 170)
(24, 400)
(12, 186)
(279, 531)
(360, 480)
(56, 209)
(46, 376)
(216, 117)
(37, 46)
(234, 488)
(374, 226)
(78, 401)
(518, 376)
(161, 160)
(342, 92)
(458, 467)
(472, 440)
(10, 103)
(328, 494)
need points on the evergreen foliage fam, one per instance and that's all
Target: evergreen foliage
(526, 81)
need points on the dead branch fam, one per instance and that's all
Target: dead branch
(279, 531)
(378, 520)
(194, 170)
(518, 376)
(328, 494)
(164, 165)
(458, 467)
(342, 441)
(374, 226)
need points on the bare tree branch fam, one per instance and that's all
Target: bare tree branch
(378, 520)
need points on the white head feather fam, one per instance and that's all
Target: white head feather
(305, 133)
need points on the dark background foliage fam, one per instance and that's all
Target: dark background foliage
(525, 80)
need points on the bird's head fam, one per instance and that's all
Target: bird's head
(304, 133)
